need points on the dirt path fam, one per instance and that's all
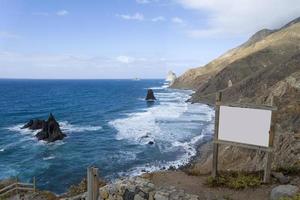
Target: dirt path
(196, 185)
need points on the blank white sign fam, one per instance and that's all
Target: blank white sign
(245, 125)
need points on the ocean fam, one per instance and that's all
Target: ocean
(108, 125)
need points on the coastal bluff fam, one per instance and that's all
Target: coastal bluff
(263, 68)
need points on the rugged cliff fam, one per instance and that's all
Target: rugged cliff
(267, 65)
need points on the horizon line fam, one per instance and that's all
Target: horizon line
(80, 78)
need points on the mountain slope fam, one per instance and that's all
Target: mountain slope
(271, 52)
(195, 78)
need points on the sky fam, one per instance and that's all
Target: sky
(121, 39)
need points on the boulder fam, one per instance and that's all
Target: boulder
(281, 177)
(150, 95)
(283, 191)
(161, 195)
(34, 124)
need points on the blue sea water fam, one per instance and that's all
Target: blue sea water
(108, 125)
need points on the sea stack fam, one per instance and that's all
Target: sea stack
(50, 129)
(150, 95)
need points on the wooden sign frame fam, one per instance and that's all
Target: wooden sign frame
(216, 141)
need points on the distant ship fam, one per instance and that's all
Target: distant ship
(136, 79)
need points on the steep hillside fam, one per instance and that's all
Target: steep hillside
(272, 53)
(197, 77)
(267, 65)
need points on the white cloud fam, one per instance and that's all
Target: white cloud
(62, 12)
(137, 16)
(53, 66)
(8, 35)
(125, 59)
(146, 1)
(242, 16)
(177, 20)
(158, 19)
(143, 1)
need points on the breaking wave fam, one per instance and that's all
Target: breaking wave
(173, 125)
(64, 125)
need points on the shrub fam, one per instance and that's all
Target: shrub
(297, 197)
(290, 170)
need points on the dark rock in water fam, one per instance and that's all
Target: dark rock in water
(50, 129)
(34, 124)
(151, 142)
(150, 95)
(145, 136)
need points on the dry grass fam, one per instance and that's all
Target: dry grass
(193, 172)
(81, 188)
(47, 195)
(290, 170)
(235, 180)
(297, 197)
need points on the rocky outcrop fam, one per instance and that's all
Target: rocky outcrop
(138, 188)
(50, 129)
(150, 95)
(34, 124)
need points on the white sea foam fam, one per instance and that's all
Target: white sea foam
(172, 123)
(50, 144)
(156, 88)
(190, 151)
(160, 122)
(64, 125)
(1, 150)
(25, 131)
(69, 128)
(49, 158)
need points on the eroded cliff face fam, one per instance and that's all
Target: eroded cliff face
(287, 134)
(267, 65)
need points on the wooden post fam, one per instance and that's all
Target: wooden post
(92, 183)
(95, 184)
(216, 145)
(269, 154)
